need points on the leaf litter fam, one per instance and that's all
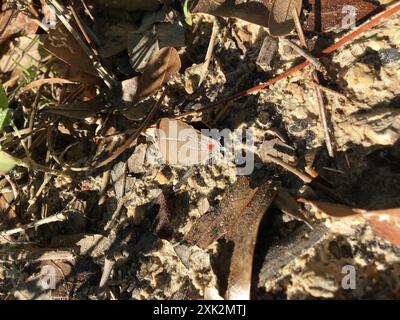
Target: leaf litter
(88, 190)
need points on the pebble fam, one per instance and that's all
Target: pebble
(360, 77)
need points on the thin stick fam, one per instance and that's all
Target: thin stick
(314, 61)
(333, 92)
(107, 77)
(87, 10)
(368, 25)
(326, 124)
(54, 218)
(35, 255)
(306, 178)
(210, 51)
(83, 30)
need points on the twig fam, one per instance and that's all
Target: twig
(368, 25)
(83, 30)
(87, 10)
(326, 124)
(314, 61)
(104, 186)
(54, 218)
(35, 255)
(210, 51)
(333, 92)
(306, 178)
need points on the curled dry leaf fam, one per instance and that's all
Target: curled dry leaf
(215, 224)
(385, 223)
(165, 63)
(237, 218)
(244, 235)
(281, 20)
(254, 12)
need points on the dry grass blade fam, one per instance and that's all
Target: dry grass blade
(40, 82)
(160, 68)
(280, 20)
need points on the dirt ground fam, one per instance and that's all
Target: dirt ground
(366, 172)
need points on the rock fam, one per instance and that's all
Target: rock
(360, 77)
(136, 161)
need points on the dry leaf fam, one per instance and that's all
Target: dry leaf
(244, 233)
(387, 228)
(162, 225)
(281, 20)
(385, 223)
(62, 44)
(13, 26)
(283, 252)
(160, 68)
(215, 224)
(254, 12)
(161, 29)
(329, 14)
(24, 53)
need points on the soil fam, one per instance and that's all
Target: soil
(365, 172)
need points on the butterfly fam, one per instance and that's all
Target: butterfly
(182, 145)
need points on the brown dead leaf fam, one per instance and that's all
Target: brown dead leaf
(387, 228)
(217, 223)
(237, 217)
(165, 63)
(254, 12)
(281, 20)
(385, 223)
(12, 26)
(62, 44)
(10, 219)
(328, 15)
(244, 233)
(162, 225)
